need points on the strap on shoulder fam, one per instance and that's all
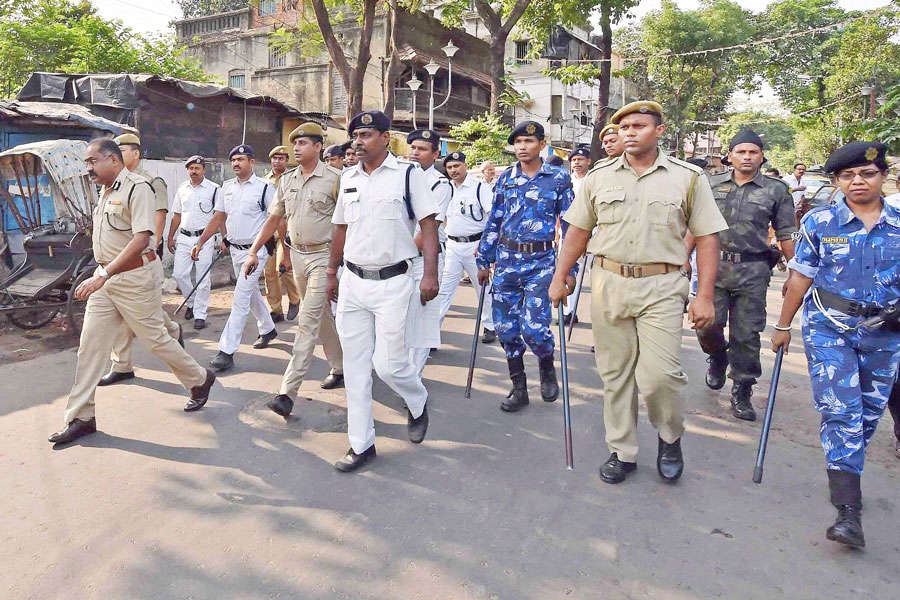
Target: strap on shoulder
(262, 199)
(407, 198)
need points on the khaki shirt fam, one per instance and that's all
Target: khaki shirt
(307, 203)
(750, 208)
(643, 219)
(126, 208)
(160, 189)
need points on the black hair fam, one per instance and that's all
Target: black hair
(799, 165)
(775, 172)
(108, 146)
(555, 161)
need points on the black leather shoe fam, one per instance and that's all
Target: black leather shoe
(352, 461)
(741, 407)
(263, 340)
(567, 319)
(715, 374)
(189, 314)
(669, 460)
(615, 470)
(222, 362)
(115, 377)
(334, 380)
(489, 336)
(281, 405)
(517, 398)
(74, 430)
(180, 336)
(199, 324)
(847, 529)
(549, 386)
(293, 311)
(277, 317)
(416, 428)
(200, 394)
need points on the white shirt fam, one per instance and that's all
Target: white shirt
(195, 203)
(372, 206)
(793, 182)
(576, 182)
(245, 206)
(470, 207)
(442, 192)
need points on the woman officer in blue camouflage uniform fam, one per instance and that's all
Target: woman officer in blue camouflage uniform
(847, 269)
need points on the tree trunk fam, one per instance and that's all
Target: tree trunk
(497, 72)
(605, 80)
(394, 66)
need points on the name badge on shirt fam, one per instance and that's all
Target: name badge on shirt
(351, 194)
(723, 188)
(833, 239)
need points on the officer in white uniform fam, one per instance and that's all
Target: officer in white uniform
(380, 200)
(242, 207)
(192, 211)
(424, 329)
(466, 218)
(580, 159)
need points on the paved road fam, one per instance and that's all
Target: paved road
(234, 502)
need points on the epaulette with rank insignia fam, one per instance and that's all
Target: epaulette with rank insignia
(686, 165)
(603, 163)
(787, 188)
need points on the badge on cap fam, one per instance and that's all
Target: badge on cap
(529, 129)
(366, 119)
(241, 150)
(644, 110)
(426, 135)
(871, 153)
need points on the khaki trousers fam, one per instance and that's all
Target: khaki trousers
(123, 345)
(134, 299)
(275, 281)
(637, 334)
(314, 322)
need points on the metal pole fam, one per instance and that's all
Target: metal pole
(202, 277)
(767, 421)
(570, 460)
(584, 269)
(431, 106)
(475, 342)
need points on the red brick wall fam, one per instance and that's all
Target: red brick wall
(287, 12)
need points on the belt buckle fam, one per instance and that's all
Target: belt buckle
(627, 271)
(528, 247)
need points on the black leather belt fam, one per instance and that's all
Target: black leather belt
(526, 247)
(378, 274)
(850, 308)
(742, 257)
(190, 233)
(238, 246)
(462, 239)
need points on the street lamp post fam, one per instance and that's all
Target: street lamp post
(432, 67)
(414, 84)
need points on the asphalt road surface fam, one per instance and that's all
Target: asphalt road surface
(234, 502)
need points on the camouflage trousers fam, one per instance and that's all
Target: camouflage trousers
(521, 302)
(740, 300)
(851, 389)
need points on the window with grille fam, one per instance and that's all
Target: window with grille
(237, 81)
(523, 47)
(555, 108)
(267, 7)
(277, 57)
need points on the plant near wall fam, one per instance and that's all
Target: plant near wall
(482, 138)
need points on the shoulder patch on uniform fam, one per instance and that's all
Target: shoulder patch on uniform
(604, 163)
(686, 165)
(331, 169)
(137, 177)
(785, 185)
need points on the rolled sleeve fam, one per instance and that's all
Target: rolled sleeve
(581, 212)
(337, 217)
(785, 222)
(161, 190)
(424, 203)
(704, 217)
(806, 252)
(220, 199)
(143, 209)
(177, 201)
(276, 208)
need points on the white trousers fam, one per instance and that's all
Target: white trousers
(247, 299)
(461, 257)
(423, 331)
(371, 322)
(583, 263)
(181, 272)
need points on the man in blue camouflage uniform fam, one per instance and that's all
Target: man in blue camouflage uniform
(849, 254)
(518, 240)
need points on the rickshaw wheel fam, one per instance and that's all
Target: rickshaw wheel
(32, 318)
(74, 307)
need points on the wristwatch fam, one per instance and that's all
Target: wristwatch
(101, 271)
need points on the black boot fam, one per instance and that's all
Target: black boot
(517, 398)
(549, 386)
(740, 401)
(715, 374)
(846, 496)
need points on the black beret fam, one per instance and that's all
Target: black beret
(371, 119)
(581, 151)
(455, 157)
(555, 161)
(745, 136)
(526, 128)
(336, 150)
(245, 149)
(424, 134)
(857, 154)
(698, 161)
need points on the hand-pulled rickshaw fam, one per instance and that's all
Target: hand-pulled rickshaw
(47, 200)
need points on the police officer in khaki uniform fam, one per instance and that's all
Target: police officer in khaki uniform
(126, 288)
(642, 203)
(275, 277)
(122, 367)
(306, 199)
(611, 141)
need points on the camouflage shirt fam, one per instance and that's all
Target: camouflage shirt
(750, 208)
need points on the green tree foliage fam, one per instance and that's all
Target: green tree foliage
(200, 8)
(69, 36)
(483, 138)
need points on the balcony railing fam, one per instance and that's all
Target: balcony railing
(459, 108)
(238, 19)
